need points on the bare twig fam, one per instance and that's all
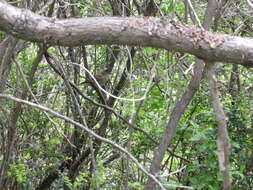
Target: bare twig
(250, 3)
(108, 93)
(36, 100)
(89, 131)
(195, 14)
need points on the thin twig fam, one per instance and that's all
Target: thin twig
(108, 93)
(195, 14)
(89, 131)
(36, 100)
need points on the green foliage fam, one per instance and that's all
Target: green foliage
(136, 186)
(78, 183)
(18, 172)
(44, 148)
(100, 177)
(1, 34)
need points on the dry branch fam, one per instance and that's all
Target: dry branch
(140, 31)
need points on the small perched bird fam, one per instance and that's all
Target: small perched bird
(102, 78)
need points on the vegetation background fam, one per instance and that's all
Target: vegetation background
(163, 97)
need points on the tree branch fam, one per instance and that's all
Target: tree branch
(141, 31)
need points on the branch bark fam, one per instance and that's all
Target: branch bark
(141, 31)
(176, 114)
(6, 52)
(223, 141)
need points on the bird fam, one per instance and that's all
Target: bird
(101, 78)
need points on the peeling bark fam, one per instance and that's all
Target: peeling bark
(140, 31)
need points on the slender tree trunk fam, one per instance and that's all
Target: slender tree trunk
(180, 105)
(223, 141)
(173, 122)
(12, 131)
(7, 46)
